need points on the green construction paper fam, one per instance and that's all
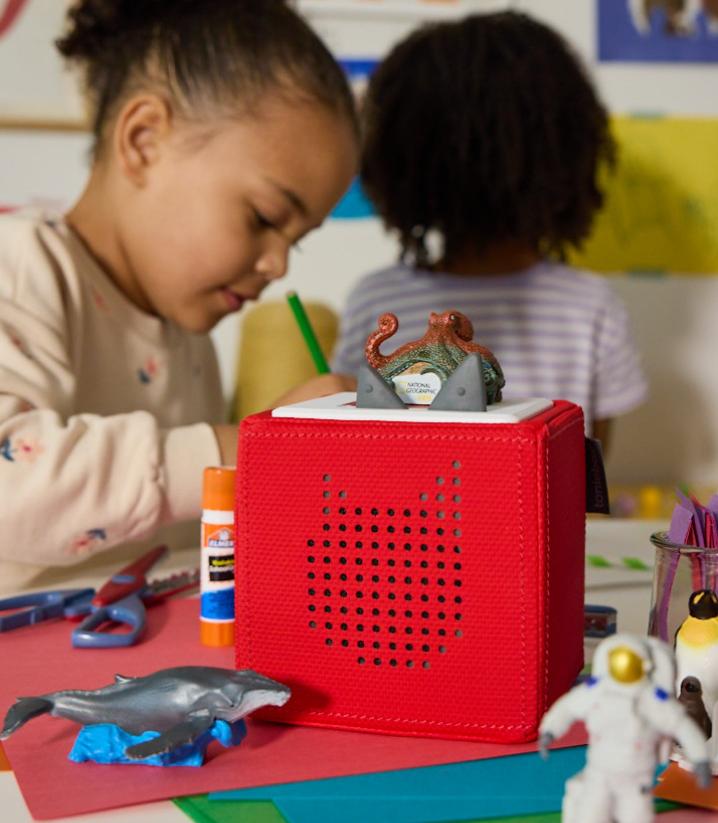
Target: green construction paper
(201, 809)
(545, 817)
(666, 806)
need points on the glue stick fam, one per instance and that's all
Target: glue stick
(217, 557)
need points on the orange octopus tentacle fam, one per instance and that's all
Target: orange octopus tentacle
(388, 325)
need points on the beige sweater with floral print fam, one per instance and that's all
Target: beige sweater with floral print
(104, 414)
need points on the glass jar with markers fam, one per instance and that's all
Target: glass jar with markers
(679, 571)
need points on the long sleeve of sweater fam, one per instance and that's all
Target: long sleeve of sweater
(96, 447)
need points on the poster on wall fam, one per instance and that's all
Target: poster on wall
(665, 31)
(661, 209)
(35, 89)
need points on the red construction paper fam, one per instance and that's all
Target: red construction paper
(39, 659)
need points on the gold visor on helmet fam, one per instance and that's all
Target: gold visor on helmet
(625, 665)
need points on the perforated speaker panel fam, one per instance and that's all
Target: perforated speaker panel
(386, 583)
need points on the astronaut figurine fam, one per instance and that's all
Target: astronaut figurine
(629, 710)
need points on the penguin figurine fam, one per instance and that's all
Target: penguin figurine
(691, 697)
(697, 646)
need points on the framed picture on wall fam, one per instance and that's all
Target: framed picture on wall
(658, 31)
(36, 90)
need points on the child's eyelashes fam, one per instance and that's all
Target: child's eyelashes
(263, 221)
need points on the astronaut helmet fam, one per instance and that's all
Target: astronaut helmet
(629, 661)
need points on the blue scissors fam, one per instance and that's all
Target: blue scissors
(118, 601)
(121, 600)
(40, 606)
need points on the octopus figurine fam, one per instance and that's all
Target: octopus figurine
(446, 343)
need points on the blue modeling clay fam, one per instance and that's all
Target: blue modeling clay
(107, 743)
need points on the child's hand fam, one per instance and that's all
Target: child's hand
(318, 387)
(226, 435)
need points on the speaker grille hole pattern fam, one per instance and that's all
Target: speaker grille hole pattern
(386, 583)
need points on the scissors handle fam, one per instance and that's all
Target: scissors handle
(129, 611)
(39, 606)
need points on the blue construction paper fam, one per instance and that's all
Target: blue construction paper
(474, 790)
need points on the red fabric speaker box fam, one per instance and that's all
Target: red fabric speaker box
(414, 578)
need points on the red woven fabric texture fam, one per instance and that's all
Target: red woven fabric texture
(413, 578)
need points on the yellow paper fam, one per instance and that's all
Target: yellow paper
(661, 210)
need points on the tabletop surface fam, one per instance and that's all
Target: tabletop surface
(627, 590)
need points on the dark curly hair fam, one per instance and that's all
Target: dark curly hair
(487, 129)
(206, 55)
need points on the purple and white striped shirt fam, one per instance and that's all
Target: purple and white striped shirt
(558, 332)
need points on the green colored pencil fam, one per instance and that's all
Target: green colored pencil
(305, 327)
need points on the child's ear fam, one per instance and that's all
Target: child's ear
(141, 129)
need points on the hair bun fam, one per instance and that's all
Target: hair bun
(201, 55)
(93, 25)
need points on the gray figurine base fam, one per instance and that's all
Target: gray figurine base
(463, 390)
(373, 392)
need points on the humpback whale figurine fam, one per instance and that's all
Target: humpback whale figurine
(181, 704)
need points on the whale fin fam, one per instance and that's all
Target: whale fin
(24, 709)
(121, 678)
(182, 734)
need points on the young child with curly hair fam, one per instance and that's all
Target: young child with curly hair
(483, 143)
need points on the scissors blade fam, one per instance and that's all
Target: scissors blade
(165, 587)
(128, 580)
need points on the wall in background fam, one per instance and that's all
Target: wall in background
(34, 87)
(675, 436)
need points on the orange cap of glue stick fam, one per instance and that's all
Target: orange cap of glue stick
(217, 628)
(218, 488)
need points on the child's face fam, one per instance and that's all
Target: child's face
(215, 220)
